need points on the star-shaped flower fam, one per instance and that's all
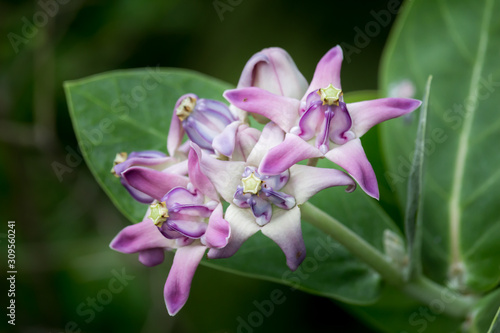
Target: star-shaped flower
(186, 216)
(321, 124)
(270, 204)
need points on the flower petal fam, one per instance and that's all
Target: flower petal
(261, 209)
(151, 182)
(310, 121)
(327, 71)
(181, 195)
(183, 149)
(225, 141)
(191, 210)
(175, 135)
(176, 131)
(241, 199)
(180, 168)
(247, 75)
(271, 136)
(191, 229)
(275, 182)
(214, 112)
(218, 231)
(181, 274)
(284, 111)
(151, 159)
(274, 70)
(147, 154)
(151, 257)
(199, 133)
(246, 138)
(239, 113)
(367, 114)
(286, 154)
(341, 124)
(243, 226)
(136, 194)
(139, 237)
(285, 230)
(323, 137)
(224, 175)
(305, 181)
(197, 177)
(169, 233)
(352, 158)
(279, 199)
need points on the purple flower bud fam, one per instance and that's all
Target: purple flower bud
(273, 69)
(202, 119)
(150, 159)
(185, 216)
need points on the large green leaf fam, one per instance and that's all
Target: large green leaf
(131, 110)
(456, 41)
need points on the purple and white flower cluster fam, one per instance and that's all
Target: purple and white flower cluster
(256, 173)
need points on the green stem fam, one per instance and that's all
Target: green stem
(420, 288)
(435, 295)
(355, 244)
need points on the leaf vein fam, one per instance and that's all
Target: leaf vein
(464, 137)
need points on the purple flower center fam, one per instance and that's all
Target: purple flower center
(182, 214)
(325, 116)
(259, 192)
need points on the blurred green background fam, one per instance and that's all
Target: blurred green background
(64, 224)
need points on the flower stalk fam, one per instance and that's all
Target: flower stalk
(354, 243)
(420, 288)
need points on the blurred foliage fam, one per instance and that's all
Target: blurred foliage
(64, 227)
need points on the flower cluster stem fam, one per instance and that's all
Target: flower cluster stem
(419, 288)
(353, 242)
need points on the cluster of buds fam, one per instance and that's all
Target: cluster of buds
(256, 173)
